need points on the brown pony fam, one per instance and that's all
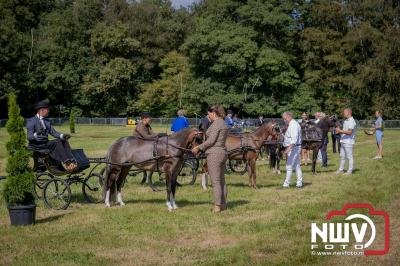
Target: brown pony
(247, 147)
(164, 154)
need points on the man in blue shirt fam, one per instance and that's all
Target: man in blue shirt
(228, 119)
(180, 122)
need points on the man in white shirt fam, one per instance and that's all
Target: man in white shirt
(347, 140)
(292, 143)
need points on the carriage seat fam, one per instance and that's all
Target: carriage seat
(38, 158)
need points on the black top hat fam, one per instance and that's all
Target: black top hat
(41, 104)
(145, 115)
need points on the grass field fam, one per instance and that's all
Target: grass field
(265, 226)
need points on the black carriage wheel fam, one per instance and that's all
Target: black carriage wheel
(57, 194)
(92, 188)
(40, 181)
(188, 172)
(156, 181)
(238, 166)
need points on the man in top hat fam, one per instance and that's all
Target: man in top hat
(39, 128)
(143, 128)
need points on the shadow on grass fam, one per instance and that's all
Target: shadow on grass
(183, 202)
(50, 219)
(245, 185)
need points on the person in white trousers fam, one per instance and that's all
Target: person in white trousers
(347, 140)
(292, 143)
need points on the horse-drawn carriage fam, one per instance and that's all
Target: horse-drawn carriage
(53, 182)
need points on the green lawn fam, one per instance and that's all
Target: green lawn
(264, 226)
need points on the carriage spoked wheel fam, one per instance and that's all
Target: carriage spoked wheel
(188, 172)
(57, 194)
(40, 181)
(92, 188)
(238, 166)
(156, 181)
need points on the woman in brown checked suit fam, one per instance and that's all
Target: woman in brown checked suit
(215, 150)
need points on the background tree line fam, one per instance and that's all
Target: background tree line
(118, 57)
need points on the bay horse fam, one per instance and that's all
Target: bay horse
(164, 154)
(247, 147)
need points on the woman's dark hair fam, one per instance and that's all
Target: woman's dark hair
(218, 109)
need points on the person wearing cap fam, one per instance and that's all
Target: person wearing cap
(292, 144)
(180, 122)
(39, 128)
(143, 128)
(228, 119)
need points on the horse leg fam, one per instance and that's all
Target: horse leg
(278, 162)
(252, 163)
(169, 189)
(173, 190)
(204, 177)
(250, 171)
(111, 177)
(120, 183)
(314, 160)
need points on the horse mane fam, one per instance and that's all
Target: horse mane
(262, 128)
(182, 134)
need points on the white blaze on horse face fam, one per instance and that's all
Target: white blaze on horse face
(107, 199)
(119, 199)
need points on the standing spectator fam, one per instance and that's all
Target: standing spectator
(205, 122)
(305, 154)
(217, 155)
(335, 137)
(292, 143)
(228, 119)
(260, 120)
(180, 122)
(347, 140)
(378, 128)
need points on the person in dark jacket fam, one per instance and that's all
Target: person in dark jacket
(39, 128)
(180, 122)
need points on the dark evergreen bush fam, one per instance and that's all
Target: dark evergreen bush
(20, 178)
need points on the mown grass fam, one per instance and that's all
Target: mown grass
(264, 226)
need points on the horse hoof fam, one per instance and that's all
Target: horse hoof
(121, 203)
(108, 206)
(169, 206)
(175, 206)
(279, 172)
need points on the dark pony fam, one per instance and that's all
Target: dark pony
(319, 130)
